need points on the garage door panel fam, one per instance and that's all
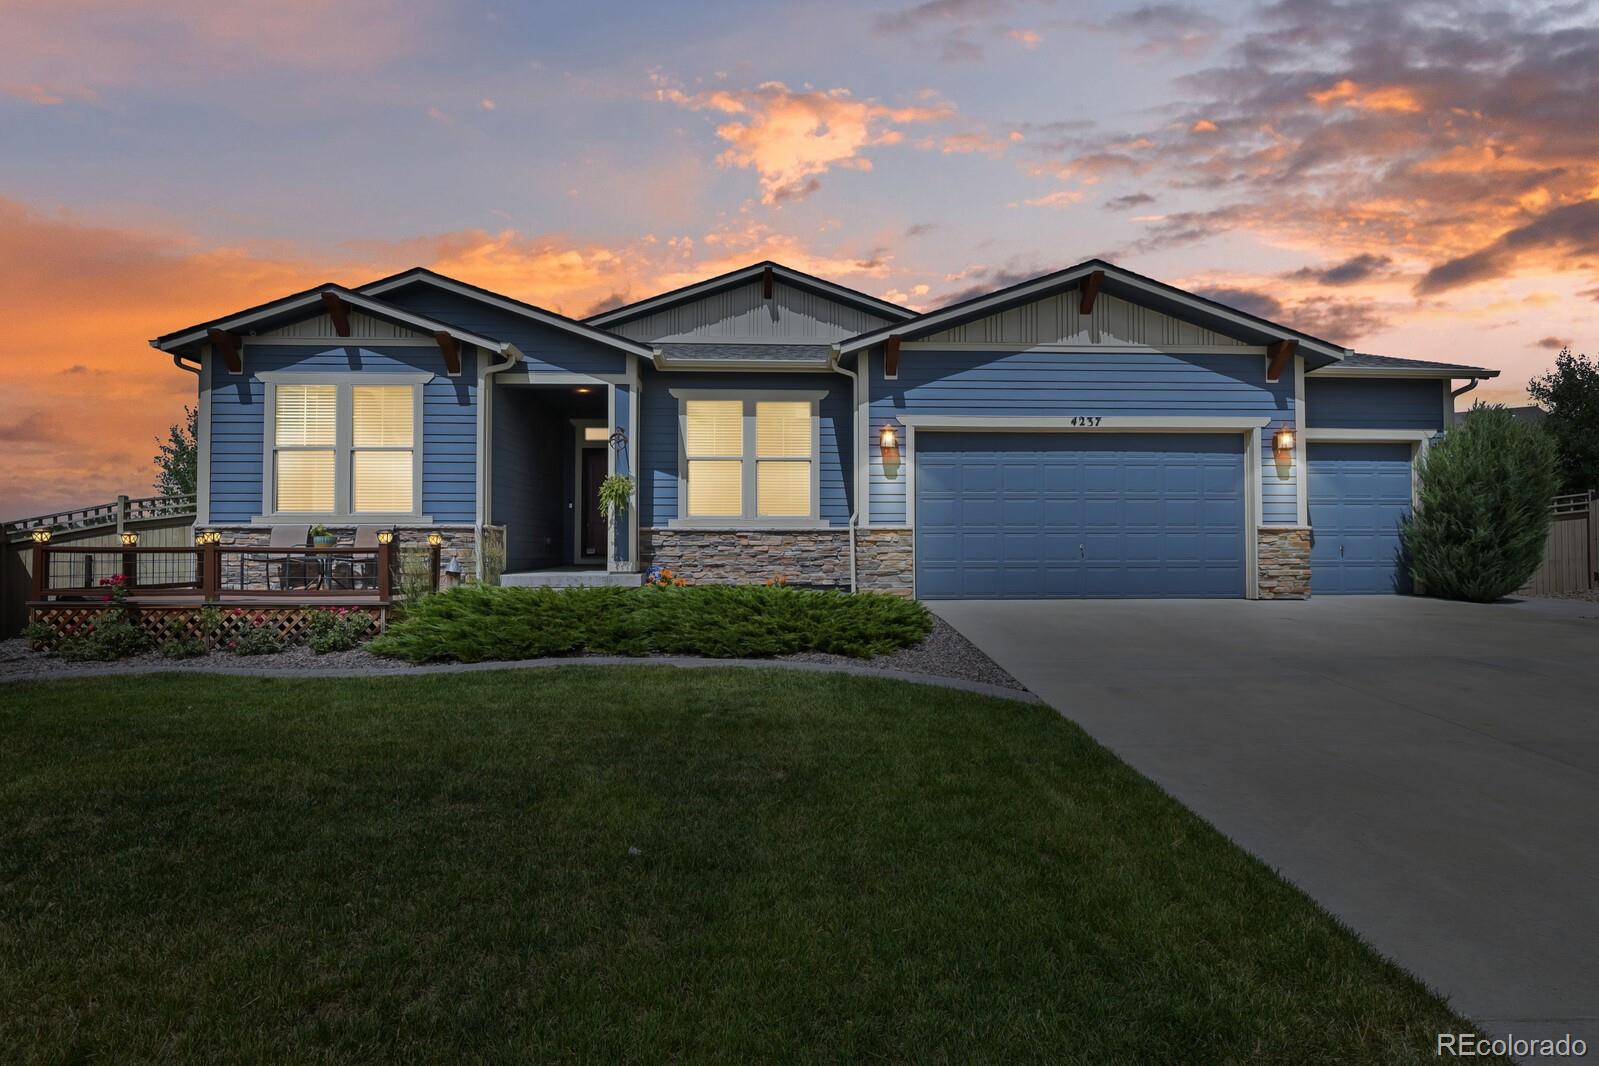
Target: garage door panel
(1105, 515)
(1358, 495)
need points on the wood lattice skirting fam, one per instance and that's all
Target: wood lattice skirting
(183, 622)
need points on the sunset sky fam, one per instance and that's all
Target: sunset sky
(1411, 179)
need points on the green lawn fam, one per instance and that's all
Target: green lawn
(641, 863)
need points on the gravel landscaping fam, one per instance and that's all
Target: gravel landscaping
(945, 653)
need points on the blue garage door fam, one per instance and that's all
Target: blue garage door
(1029, 516)
(1358, 495)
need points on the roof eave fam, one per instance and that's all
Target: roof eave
(1444, 373)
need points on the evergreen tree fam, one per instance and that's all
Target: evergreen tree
(1483, 513)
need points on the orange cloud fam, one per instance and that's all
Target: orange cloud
(792, 138)
(1379, 98)
(79, 318)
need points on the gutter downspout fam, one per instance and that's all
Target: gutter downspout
(855, 459)
(1473, 383)
(513, 355)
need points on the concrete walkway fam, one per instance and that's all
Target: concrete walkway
(1428, 771)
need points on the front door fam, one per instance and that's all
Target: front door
(591, 522)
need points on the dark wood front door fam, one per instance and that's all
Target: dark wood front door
(592, 521)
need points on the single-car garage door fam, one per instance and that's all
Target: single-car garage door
(1035, 515)
(1358, 495)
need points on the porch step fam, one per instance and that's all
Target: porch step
(570, 577)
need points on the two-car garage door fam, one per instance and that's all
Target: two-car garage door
(1034, 515)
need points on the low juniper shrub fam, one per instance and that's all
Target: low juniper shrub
(253, 636)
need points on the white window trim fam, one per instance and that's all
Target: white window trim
(343, 447)
(749, 459)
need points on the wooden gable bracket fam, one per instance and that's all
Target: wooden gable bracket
(338, 311)
(450, 348)
(891, 357)
(1280, 353)
(226, 345)
(1090, 290)
(767, 281)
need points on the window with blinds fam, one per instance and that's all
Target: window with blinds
(344, 449)
(305, 430)
(713, 443)
(782, 459)
(749, 458)
(382, 430)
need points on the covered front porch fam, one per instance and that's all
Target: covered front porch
(553, 443)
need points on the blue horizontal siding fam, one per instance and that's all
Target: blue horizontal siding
(1079, 383)
(1385, 403)
(449, 424)
(545, 348)
(658, 444)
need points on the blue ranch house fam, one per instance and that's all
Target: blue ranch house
(1088, 433)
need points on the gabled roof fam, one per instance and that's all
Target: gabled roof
(505, 303)
(1117, 282)
(774, 356)
(1364, 364)
(743, 275)
(293, 307)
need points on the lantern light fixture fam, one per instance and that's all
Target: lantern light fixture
(42, 535)
(130, 538)
(1283, 440)
(435, 540)
(213, 536)
(888, 440)
(385, 536)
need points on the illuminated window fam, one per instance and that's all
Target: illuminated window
(343, 449)
(749, 458)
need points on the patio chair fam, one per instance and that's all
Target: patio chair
(359, 573)
(294, 571)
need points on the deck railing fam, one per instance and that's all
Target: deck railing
(213, 572)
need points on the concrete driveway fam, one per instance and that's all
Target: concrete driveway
(1428, 771)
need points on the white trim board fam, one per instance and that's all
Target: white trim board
(1086, 348)
(1370, 436)
(1064, 423)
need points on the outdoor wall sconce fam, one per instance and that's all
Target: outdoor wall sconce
(130, 539)
(1282, 442)
(435, 540)
(41, 536)
(385, 536)
(888, 440)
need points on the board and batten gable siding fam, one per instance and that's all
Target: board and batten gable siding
(1057, 320)
(449, 423)
(544, 348)
(658, 436)
(1381, 403)
(1065, 383)
(741, 314)
(363, 325)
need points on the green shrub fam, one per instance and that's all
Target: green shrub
(184, 648)
(482, 623)
(41, 636)
(336, 629)
(255, 637)
(112, 635)
(1483, 512)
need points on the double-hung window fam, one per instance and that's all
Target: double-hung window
(343, 448)
(748, 458)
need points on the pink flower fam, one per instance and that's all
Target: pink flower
(238, 610)
(69, 629)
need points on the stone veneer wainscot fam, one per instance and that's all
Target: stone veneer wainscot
(1284, 563)
(812, 557)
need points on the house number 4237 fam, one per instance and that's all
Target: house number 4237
(1086, 420)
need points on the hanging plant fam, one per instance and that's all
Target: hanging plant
(615, 491)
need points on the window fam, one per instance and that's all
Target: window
(749, 458)
(343, 449)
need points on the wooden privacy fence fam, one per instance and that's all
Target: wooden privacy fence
(1571, 552)
(160, 521)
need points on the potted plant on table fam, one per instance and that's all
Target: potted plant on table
(322, 537)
